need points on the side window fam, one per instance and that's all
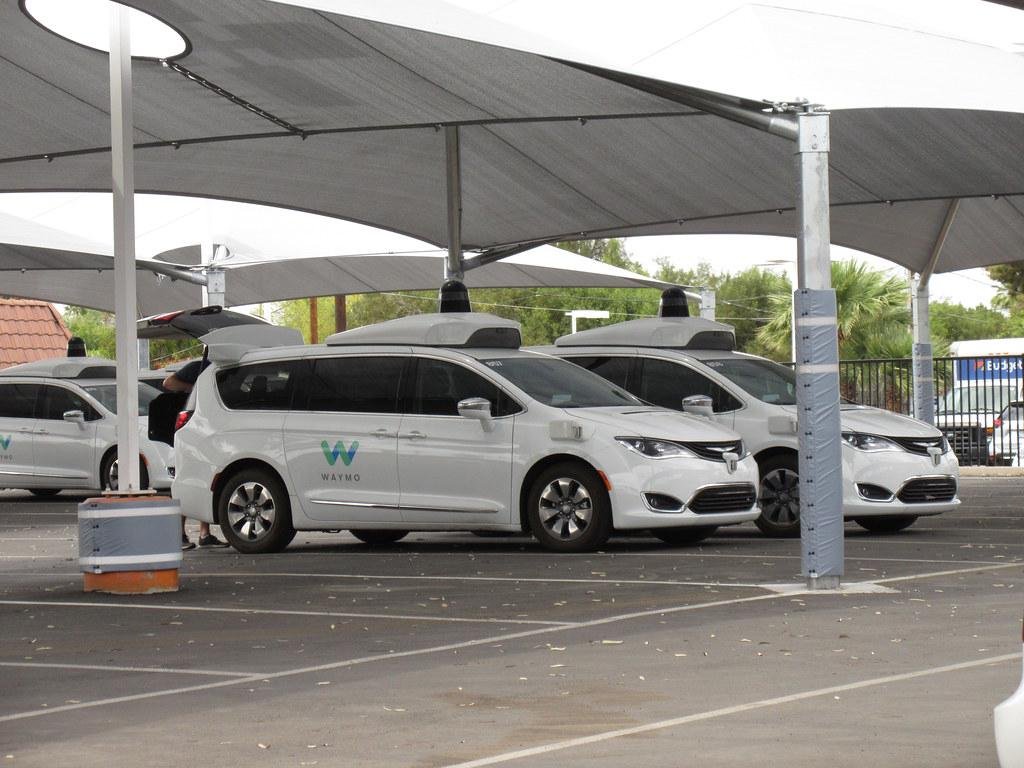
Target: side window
(18, 401)
(666, 384)
(439, 386)
(258, 387)
(615, 369)
(56, 401)
(355, 384)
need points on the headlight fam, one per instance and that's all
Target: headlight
(653, 448)
(871, 443)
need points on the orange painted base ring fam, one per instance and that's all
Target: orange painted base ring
(132, 582)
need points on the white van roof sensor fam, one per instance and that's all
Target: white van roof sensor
(663, 332)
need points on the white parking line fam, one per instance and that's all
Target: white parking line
(379, 657)
(102, 668)
(727, 711)
(37, 538)
(273, 612)
(956, 572)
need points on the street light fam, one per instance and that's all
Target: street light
(586, 313)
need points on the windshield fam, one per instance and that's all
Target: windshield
(107, 395)
(988, 397)
(765, 380)
(559, 383)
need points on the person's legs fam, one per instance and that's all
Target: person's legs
(207, 539)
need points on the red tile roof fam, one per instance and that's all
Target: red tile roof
(30, 330)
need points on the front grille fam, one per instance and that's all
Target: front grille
(738, 497)
(714, 451)
(919, 445)
(927, 490)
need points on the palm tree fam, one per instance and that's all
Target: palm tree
(871, 306)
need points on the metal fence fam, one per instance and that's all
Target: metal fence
(978, 403)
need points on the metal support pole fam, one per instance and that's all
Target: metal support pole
(123, 187)
(453, 269)
(923, 364)
(708, 303)
(817, 366)
(143, 354)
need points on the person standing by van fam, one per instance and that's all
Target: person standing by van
(183, 380)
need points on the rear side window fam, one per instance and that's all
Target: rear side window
(614, 369)
(18, 401)
(439, 386)
(258, 387)
(666, 384)
(57, 401)
(355, 384)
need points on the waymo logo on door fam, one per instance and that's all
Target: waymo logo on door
(5, 442)
(339, 451)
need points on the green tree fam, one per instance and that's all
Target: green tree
(873, 315)
(96, 328)
(954, 322)
(1011, 278)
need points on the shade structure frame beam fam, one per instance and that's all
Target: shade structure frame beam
(817, 364)
(922, 360)
(123, 186)
(453, 268)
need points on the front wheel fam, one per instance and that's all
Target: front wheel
(254, 513)
(780, 496)
(568, 508)
(378, 538)
(685, 536)
(887, 524)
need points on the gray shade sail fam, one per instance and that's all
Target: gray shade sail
(87, 280)
(549, 150)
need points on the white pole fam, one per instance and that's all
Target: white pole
(123, 185)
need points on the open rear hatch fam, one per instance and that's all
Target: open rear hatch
(194, 323)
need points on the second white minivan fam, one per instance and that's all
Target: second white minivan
(441, 422)
(895, 469)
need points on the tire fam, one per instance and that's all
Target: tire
(254, 512)
(779, 496)
(108, 472)
(685, 536)
(378, 538)
(568, 508)
(44, 493)
(887, 524)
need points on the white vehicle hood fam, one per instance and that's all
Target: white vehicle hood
(642, 421)
(875, 421)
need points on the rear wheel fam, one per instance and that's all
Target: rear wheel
(780, 496)
(254, 513)
(109, 472)
(681, 537)
(378, 538)
(568, 508)
(887, 524)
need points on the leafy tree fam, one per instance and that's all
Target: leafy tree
(872, 306)
(954, 322)
(1011, 277)
(96, 328)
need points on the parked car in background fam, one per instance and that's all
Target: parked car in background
(441, 422)
(895, 469)
(1009, 725)
(58, 427)
(1006, 445)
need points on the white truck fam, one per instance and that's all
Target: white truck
(986, 377)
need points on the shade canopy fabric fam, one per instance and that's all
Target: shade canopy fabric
(549, 150)
(85, 279)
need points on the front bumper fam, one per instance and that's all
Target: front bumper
(866, 475)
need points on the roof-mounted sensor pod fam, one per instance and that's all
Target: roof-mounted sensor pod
(453, 297)
(673, 303)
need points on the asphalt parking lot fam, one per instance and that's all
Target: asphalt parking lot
(457, 650)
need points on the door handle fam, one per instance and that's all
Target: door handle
(416, 435)
(43, 432)
(25, 429)
(383, 433)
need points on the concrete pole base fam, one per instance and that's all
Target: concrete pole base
(822, 582)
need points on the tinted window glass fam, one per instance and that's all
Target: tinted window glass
(18, 401)
(615, 369)
(440, 385)
(57, 401)
(107, 395)
(559, 383)
(355, 384)
(765, 380)
(258, 387)
(666, 384)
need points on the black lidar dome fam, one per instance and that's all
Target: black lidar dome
(453, 297)
(76, 347)
(673, 303)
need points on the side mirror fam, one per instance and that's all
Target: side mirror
(698, 405)
(75, 417)
(478, 408)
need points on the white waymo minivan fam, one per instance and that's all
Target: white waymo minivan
(58, 428)
(895, 468)
(440, 422)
